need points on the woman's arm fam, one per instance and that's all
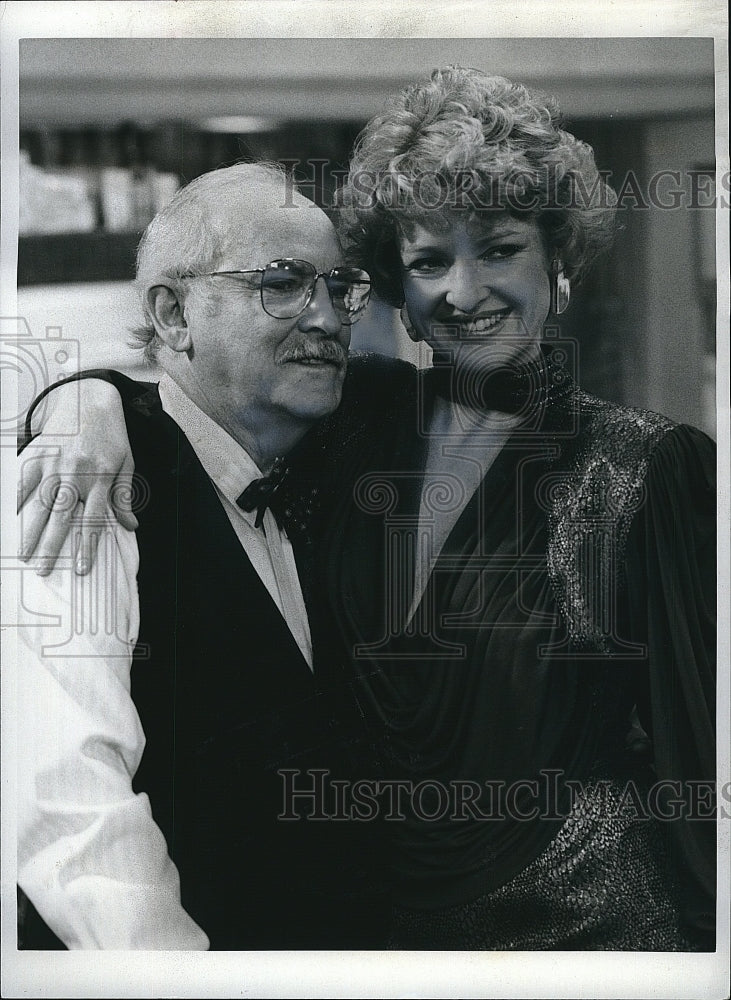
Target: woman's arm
(671, 575)
(76, 468)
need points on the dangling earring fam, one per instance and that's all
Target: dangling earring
(416, 337)
(560, 288)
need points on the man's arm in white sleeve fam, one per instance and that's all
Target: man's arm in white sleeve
(90, 856)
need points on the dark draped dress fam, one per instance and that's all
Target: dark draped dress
(543, 728)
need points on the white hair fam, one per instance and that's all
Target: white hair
(185, 238)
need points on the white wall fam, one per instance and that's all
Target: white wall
(76, 326)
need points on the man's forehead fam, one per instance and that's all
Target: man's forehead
(266, 223)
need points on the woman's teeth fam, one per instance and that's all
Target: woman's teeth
(484, 323)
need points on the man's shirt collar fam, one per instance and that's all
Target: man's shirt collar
(229, 466)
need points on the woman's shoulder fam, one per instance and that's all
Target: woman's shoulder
(617, 459)
(618, 462)
(614, 424)
(632, 436)
(377, 377)
(613, 454)
(377, 390)
(378, 395)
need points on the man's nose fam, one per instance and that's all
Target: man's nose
(467, 285)
(319, 313)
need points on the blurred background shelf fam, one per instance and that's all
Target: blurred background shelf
(644, 319)
(77, 257)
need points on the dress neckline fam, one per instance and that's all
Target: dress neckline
(519, 390)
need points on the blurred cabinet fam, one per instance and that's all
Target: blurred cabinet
(87, 194)
(75, 257)
(642, 319)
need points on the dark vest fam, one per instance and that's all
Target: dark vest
(226, 701)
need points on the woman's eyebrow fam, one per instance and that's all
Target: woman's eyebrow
(496, 231)
(426, 247)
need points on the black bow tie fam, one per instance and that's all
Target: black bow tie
(262, 493)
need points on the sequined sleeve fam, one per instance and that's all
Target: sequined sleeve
(671, 577)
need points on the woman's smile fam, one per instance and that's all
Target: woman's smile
(485, 322)
(477, 277)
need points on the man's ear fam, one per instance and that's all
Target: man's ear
(165, 309)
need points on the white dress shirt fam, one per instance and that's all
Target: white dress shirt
(90, 856)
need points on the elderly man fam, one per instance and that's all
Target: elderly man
(148, 784)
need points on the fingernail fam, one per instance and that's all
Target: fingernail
(83, 566)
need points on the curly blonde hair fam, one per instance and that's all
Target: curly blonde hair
(466, 140)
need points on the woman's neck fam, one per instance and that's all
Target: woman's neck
(518, 390)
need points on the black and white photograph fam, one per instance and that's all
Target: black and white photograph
(365, 535)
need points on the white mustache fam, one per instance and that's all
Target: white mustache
(327, 351)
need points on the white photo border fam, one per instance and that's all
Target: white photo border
(280, 974)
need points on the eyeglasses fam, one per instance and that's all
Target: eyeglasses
(287, 286)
